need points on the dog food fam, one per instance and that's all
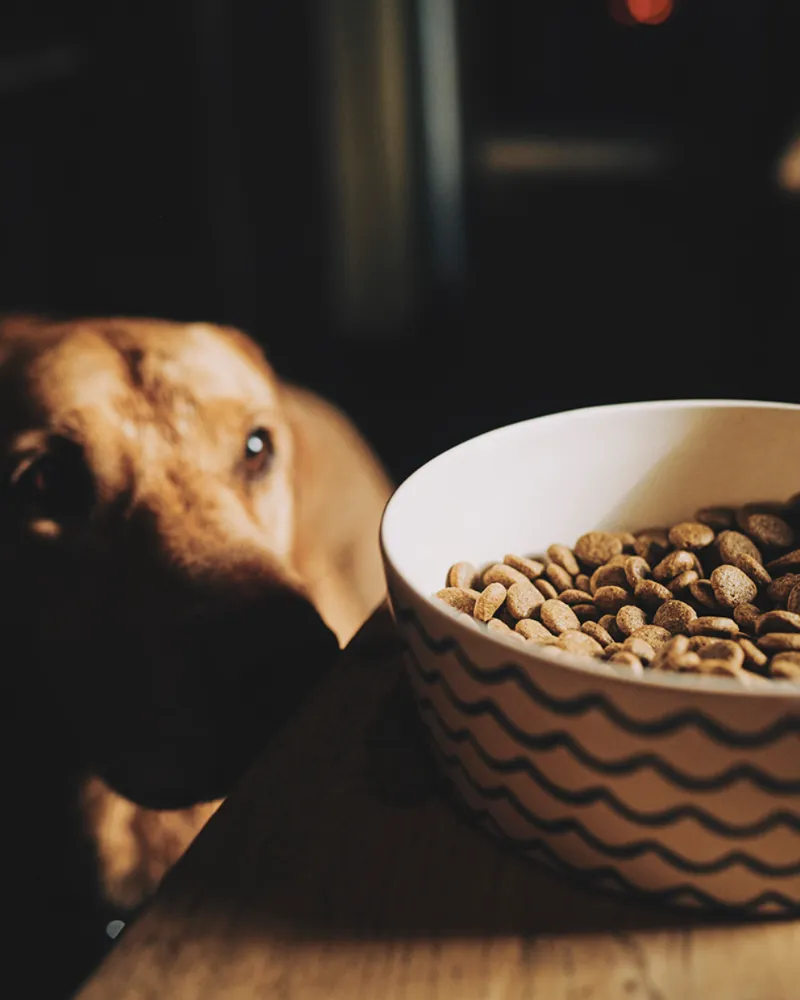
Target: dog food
(719, 595)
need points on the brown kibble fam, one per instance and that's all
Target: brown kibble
(714, 625)
(546, 589)
(793, 601)
(462, 575)
(732, 586)
(496, 625)
(610, 575)
(674, 616)
(609, 623)
(778, 621)
(522, 599)
(630, 617)
(732, 544)
(673, 565)
(531, 568)
(654, 635)
(579, 642)
(573, 597)
(703, 593)
(718, 518)
(636, 569)
(746, 616)
(769, 530)
(779, 642)
(558, 576)
(652, 544)
(723, 649)
(651, 594)
(786, 564)
(754, 569)
(697, 643)
(598, 633)
(609, 600)
(683, 581)
(533, 630)
(690, 535)
(785, 666)
(597, 547)
(586, 612)
(612, 649)
(460, 598)
(754, 658)
(628, 541)
(583, 582)
(719, 668)
(489, 601)
(559, 617)
(564, 557)
(641, 649)
(627, 658)
(780, 588)
(506, 575)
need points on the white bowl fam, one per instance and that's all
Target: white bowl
(683, 789)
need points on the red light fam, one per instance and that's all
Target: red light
(641, 11)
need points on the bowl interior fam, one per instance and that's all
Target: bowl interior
(624, 467)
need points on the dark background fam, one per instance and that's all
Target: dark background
(443, 214)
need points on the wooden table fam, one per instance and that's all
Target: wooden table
(338, 870)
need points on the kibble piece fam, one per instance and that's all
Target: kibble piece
(719, 668)
(462, 575)
(683, 581)
(460, 598)
(732, 544)
(627, 658)
(732, 586)
(586, 612)
(690, 535)
(651, 594)
(496, 625)
(609, 600)
(697, 643)
(531, 568)
(754, 569)
(583, 582)
(597, 547)
(579, 642)
(652, 544)
(718, 518)
(558, 617)
(779, 642)
(778, 621)
(533, 630)
(506, 575)
(598, 633)
(609, 623)
(702, 592)
(723, 649)
(564, 557)
(523, 599)
(785, 666)
(574, 596)
(558, 576)
(641, 649)
(546, 588)
(754, 658)
(780, 588)
(675, 616)
(790, 563)
(489, 601)
(793, 600)
(714, 625)
(636, 569)
(673, 565)
(612, 649)
(628, 540)
(630, 617)
(769, 530)
(610, 575)
(746, 616)
(654, 635)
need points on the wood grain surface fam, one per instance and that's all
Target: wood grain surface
(339, 870)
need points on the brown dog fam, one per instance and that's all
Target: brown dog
(183, 540)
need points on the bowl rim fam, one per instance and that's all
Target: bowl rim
(532, 652)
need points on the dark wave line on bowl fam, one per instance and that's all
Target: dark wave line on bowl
(626, 765)
(789, 725)
(766, 901)
(621, 852)
(597, 794)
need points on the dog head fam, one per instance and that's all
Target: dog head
(146, 550)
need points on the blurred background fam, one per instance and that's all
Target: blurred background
(443, 214)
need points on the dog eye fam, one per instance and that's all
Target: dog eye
(258, 451)
(54, 484)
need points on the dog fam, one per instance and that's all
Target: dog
(186, 541)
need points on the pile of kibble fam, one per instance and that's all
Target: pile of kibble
(719, 594)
